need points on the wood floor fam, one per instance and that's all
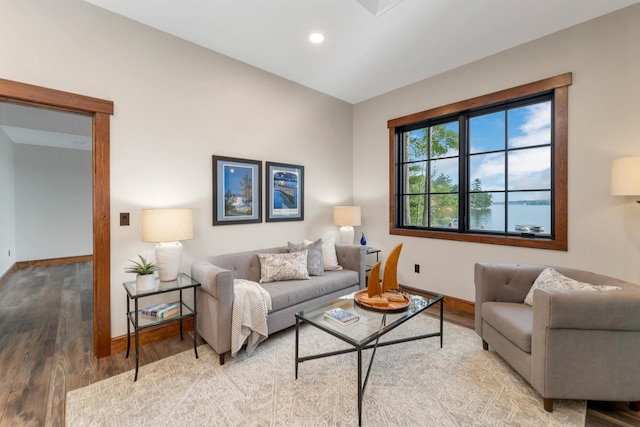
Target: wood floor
(46, 348)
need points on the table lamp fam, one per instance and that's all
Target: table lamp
(346, 217)
(625, 176)
(166, 227)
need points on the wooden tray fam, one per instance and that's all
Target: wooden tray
(393, 307)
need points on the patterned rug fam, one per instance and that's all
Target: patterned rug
(411, 384)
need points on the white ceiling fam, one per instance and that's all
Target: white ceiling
(364, 55)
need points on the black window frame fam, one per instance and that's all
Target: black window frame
(554, 89)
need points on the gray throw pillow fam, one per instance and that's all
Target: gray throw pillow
(314, 256)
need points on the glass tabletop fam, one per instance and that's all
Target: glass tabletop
(182, 282)
(370, 325)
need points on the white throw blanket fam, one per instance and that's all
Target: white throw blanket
(251, 303)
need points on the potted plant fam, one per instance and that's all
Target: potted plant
(144, 269)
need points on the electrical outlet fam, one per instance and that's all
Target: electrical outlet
(416, 268)
(9, 252)
(124, 218)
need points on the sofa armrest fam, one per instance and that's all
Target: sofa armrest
(352, 257)
(216, 281)
(567, 309)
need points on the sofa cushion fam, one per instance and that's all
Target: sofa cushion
(550, 278)
(514, 321)
(287, 293)
(289, 266)
(314, 256)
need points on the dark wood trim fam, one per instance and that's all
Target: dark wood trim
(17, 92)
(101, 236)
(550, 83)
(559, 84)
(453, 303)
(152, 334)
(22, 93)
(53, 261)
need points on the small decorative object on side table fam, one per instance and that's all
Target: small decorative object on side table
(140, 320)
(144, 270)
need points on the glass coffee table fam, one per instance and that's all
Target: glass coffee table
(366, 332)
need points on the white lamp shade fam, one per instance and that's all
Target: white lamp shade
(625, 176)
(346, 215)
(167, 225)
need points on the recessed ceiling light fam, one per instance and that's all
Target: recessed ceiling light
(316, 38)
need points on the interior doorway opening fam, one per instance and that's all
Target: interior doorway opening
(100, 112)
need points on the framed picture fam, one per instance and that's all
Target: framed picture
(285, 192)
(237, 191)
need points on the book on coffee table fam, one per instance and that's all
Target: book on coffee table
(341, 316)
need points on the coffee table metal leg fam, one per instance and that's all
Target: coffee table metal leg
(360, 388)
(297, 338)
(441, 317)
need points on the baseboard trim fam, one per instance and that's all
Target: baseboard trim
(5, 276)
(453, 303)
(53, 261)
(152, 334)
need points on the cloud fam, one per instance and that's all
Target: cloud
(536, 129)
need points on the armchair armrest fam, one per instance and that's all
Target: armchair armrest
(566, 309)
(352, 257)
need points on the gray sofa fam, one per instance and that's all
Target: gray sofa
(569, 344)
(215, 296)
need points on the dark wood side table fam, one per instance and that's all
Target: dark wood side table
(140, 321)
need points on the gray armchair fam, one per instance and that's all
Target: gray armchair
(569, 344)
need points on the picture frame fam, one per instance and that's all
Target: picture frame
(237, 191)
(284, 192)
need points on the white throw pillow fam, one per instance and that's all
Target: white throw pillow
(550, 278)
(329, 256)
(287, 266)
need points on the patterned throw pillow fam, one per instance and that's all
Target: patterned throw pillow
(275, 267)
(550, 278)
(314, 256)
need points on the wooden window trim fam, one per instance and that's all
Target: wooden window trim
(559, 84)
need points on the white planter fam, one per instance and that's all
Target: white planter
(145, 282)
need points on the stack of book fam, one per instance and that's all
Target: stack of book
(161, 310)
(341, 316)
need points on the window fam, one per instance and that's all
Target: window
(491, 169)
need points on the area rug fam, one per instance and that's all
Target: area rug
(411, 384)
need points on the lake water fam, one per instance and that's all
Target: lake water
(493, 218)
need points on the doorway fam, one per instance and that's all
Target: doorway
(100, 112)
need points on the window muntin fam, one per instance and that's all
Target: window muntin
(510, 154)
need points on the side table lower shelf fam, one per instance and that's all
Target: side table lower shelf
(141, 321)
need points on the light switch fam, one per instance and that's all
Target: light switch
(124, 218)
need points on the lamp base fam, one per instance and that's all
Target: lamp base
(168, 256)
(346, 235)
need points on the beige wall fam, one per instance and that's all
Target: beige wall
(604, 123)
(176, 105)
